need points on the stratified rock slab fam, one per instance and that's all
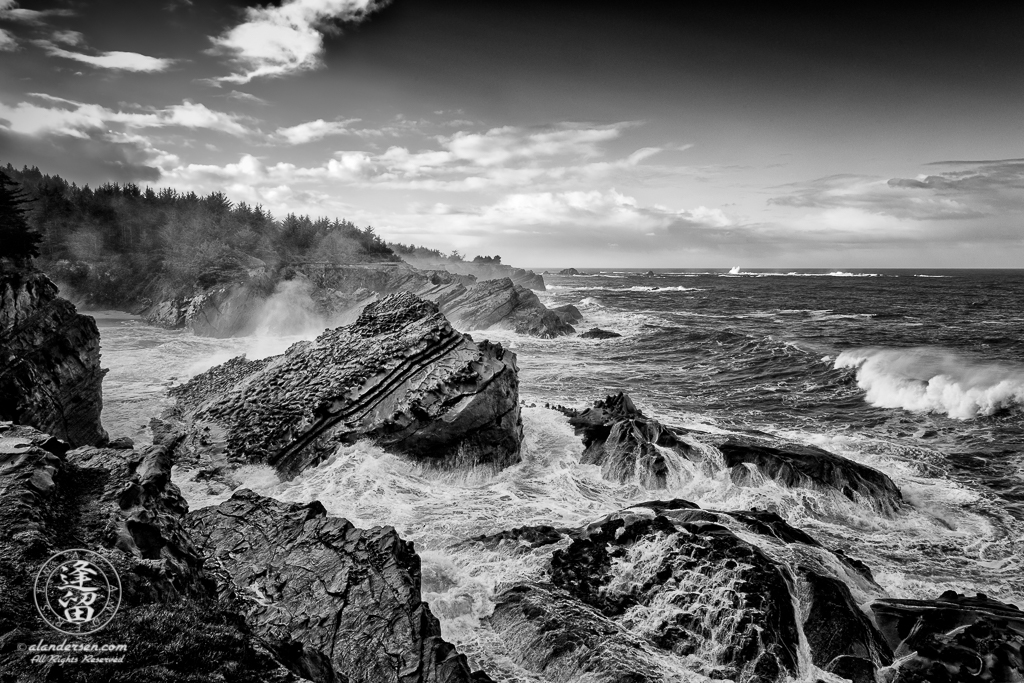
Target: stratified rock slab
(353, 594)
(400, 375)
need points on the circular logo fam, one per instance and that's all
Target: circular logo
(77, 592)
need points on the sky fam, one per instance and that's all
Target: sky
(578, 133)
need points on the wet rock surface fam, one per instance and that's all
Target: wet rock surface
(623, 441)
(50, 375)
(664, 590)
(400, 375)
(795, 465)
(953, 639)
(313, 583)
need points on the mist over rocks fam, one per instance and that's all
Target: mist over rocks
(50, 355)
(400, 375)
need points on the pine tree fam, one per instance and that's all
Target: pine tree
(17, 240)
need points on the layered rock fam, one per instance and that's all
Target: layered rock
(50, 375)
(664, 590)
(625, 442)
(127, 510)
(808, 467)
(954, 639)
(503, 304)
(401, 375)
(351, 594)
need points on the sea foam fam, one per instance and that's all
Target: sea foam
(934, 381)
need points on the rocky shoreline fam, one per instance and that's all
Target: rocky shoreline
(256, 589)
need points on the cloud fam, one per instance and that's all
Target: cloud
(314, 130)
(119, 61)
(80, 120)
(68, 37)
(279, 41)
(10, 11)
(8, 42)
(246, 97)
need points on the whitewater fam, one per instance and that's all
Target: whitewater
(919, 377)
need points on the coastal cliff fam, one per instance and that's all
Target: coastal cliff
(50, 356)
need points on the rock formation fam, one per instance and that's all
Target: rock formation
(620, 438)
(126, 509)
(400, 375)
(229, 310)
(568, 314)
(624, 442)
(50, 376)
(954, 639)
(808, 467)
(356, 599)
(663, 588)
(598, 333)
(568, 271)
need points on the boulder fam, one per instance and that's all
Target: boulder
(353, 594)
(598, 333)
(400, 375)
(50, 358)
(568, 314)
(625, 442)
(794, 465)
(663, 588)
(953, 639)
(125, 509)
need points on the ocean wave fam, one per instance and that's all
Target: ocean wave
(635, 288)
(836, 273)
(927, 380)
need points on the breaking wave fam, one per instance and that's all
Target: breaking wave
(934, 381)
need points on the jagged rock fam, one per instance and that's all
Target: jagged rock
(522, 538)
(500, 303)
(126, 509)
(954, 639)
(568, 271)
(665, 587)
(624, 442)
(319, 581)
(400, 375)
(598, 333)
(50, 359)
(568, 313)
(809, 467)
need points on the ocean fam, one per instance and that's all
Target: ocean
(917, 373)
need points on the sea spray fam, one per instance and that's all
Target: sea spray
(934, 380)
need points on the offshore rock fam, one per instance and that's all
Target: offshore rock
(809, 467)
(126, 509)
(501, 303)
(664, 588)
(568, 271)
(353, 594)
(625, 442)
(568, 313)
(954, 639)
(400, 375)
(598, 333)
(50, 375)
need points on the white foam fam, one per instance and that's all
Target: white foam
(934, 380)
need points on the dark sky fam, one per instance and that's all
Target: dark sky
(595, 133)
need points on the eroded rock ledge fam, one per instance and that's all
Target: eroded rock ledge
(400, 375)
(50, 374)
